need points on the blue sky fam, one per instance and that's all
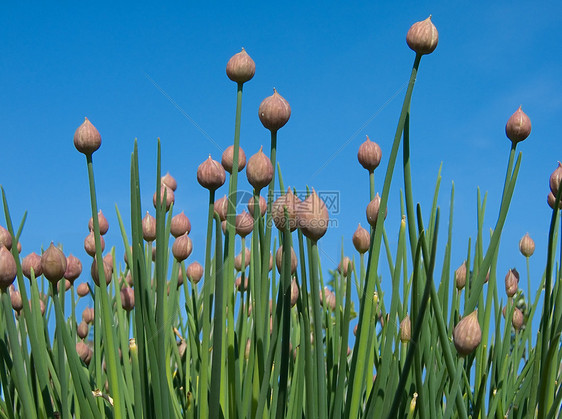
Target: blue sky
(138, 70)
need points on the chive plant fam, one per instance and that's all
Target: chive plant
(278, 344)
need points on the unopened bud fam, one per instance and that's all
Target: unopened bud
(87, 138)
(240, 68)
(405, 329)
(467, 334)
(423, 37)
(526, 245)
(53, 263)
(518, 126)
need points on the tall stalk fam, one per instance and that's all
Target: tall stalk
(113, 368)
(358, 367)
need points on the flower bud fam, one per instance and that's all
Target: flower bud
(169, 181)
(527, 245)
(330, 299)
(244, 224)
(180, 225)
(238, 260)
(83, 289)
(129, 279)
(511, 282)
(67, 285)
(84, 352)
(169, 196)
(518, 126)
(289, 201)
(5, 238)
(90, 244)
(312, 217)
(551, 199)
(53, 263)
(180, 277)
(210, 174)
(227, 160)
(554, 180)
(73, 268)
(384, 319)
(294, 292)
(369, 155)
(361, 239)
(279, 260)
(82, 330)
(149, 227)
(467, 334)
(182, 247)
(33, 260)
(343, 267)
(373, 211)
(262, 204)
(274, 111)
(423, 37)
(107, 271)
(406, 329)
(17, 303)
(518, 319)
(240, 68)
(221, 207)
(238, 283)
(87, 138)
(108, 258)
(460, 276)
(194, 272)
(259, 171)
(88, 315)
(104, 225)
(127, 298)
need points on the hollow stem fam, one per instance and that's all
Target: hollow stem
(207, 307)
(107, 318)
(358, 367)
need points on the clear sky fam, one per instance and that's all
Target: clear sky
(139, 70)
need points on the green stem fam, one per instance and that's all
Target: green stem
(18, 373)
(268, 225)
(60, 350)
(204, 372)
(318, 338)
(529, 305)
(218, 338)
(546, 395)
(107, 318)
(355, 389)
(285, 292)
(478, 282)
(233, 379)
(372, 185)
(408, 186)
(160, 268)
(37, 339)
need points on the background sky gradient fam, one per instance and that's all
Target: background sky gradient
(137, 70)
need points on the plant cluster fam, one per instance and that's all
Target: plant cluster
(262, 333)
